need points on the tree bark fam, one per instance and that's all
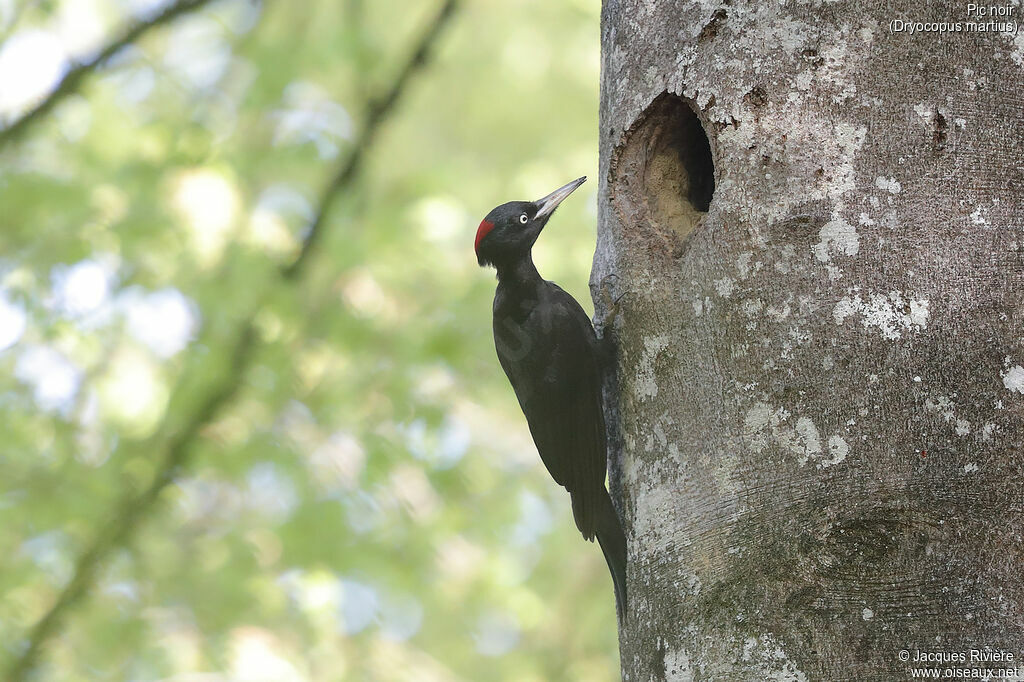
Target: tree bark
(811, 251)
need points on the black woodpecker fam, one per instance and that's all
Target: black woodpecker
(552, 357)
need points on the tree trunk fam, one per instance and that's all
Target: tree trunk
(812, 245)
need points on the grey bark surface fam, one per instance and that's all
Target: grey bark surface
(820, 405)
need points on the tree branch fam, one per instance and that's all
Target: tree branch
(130, 511)
(376, 113)
(74, 78)
(179, 445)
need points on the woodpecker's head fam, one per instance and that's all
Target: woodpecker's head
(509, 231)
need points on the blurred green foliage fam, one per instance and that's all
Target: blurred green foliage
(368, 505)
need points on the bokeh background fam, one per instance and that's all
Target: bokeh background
(352, 493)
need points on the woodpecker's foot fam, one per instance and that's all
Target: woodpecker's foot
(606, 328)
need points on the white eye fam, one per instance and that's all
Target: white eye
(523, 219)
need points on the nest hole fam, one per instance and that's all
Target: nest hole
(664, 167)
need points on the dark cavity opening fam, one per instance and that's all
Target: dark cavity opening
(664, 170)
(683, 137)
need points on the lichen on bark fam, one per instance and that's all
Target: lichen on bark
(818, 411)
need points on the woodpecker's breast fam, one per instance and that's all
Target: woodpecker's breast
(543, 341)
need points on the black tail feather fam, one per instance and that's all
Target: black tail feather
(613, 544)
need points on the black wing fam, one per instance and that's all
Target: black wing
(550, 357)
